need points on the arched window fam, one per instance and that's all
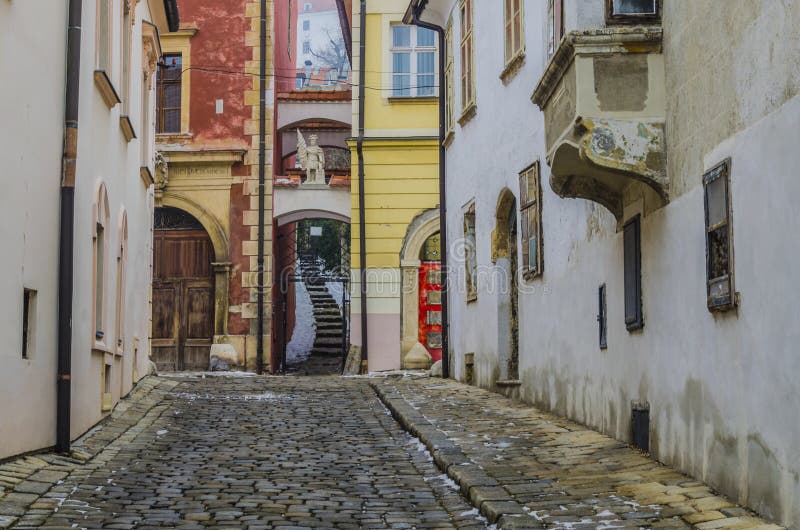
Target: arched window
(100, 245)
(122, 259)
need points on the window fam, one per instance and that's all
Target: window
(555, 23)
(306, 25)
(470, 255)
(144, 145)
(107, 402)
(125, 62)
(513, 29)
(413, 61)
(632, 11)
(122, 258)
(467, 56)
(719, 238)
(450, 119)
(28, 322)
(602, 319)
(169, 94)
(306, 46)
(99, 249)
(633, 274)
(531, 217)
(103, 36)
(307, 7)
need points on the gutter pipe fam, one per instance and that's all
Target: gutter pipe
(362, 236)
(67, 228)
(416, 12)
(262, 153)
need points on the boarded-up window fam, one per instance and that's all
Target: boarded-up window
(602, 317)
(633, 274)
(169, 94)
(719, 238)
(531, 216)
(470, 255)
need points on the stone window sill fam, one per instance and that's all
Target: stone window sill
(512, 67)
(413, 99)
(530, 275)
(127, 128)
(146, 176)
(168, 137)
(509, 383)
(468, 113)
(448, 138)
(107, 90)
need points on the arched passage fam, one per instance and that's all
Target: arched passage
(183, 292)
(504, 255)
(426, 224)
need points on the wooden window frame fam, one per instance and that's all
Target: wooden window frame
(100, 261)
(510, 23)
(632, 19)
(555, 25)
(634, 317)
(413, 50)
(467, 55)
(602, 316)
(470, 252)
(531, 204)
(724, 303)
(449, 79)
(160, 109)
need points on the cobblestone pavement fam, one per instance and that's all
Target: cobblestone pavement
(255, 452)
(536, 470)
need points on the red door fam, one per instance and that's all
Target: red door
(430, 307)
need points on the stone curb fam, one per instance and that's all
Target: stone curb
(484, 492)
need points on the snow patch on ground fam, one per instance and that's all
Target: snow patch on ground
(305, 327)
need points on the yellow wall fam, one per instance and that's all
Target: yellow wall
(400, 151)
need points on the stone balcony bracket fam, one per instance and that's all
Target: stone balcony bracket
(603, 100)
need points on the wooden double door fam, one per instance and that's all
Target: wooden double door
(183, 299)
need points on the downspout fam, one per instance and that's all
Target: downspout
(362, 236)
(67, 228)
(442, 187)
(262, 153)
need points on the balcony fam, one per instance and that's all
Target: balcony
(603, 100)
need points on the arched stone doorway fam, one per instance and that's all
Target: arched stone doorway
(183, 292)
(420, 231)
(504, 255)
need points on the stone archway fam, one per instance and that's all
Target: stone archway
(413, 353)
(221, 265)
(504, 256)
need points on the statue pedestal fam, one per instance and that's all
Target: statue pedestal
(313, 186)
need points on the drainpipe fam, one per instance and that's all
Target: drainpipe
(262, 153)
(67, 228)
(362, 236)
(442, 187)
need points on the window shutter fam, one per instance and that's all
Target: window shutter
(633, 274)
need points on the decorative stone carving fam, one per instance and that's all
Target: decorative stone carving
(151, 52)
(161, 176)
(312, 159)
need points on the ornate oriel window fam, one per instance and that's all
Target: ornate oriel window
(531, 217)
(413, 61)
(99, 246)
(719, 238)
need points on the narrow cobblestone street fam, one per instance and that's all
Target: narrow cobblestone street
(240, 451)
(247, 452)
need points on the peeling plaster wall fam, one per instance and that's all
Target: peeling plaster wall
(721, 387)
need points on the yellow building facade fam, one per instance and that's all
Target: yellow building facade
(401, 179)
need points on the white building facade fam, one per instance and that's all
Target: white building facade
(113, 209)
(587, 277)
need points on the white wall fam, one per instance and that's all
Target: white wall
(721, 387)
(32, 117)
(32, 113)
